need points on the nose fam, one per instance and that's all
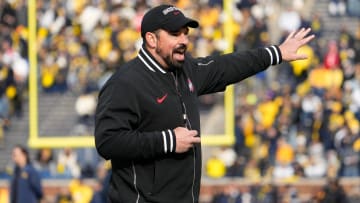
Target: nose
(184, 39)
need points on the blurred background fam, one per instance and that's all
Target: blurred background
(297, 130)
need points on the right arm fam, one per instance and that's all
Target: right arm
(35, 182)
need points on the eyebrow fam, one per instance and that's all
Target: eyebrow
(186, 30)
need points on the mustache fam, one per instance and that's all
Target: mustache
(181, 48)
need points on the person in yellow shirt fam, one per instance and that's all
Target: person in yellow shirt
(215, 167)
(80, 192)
(284, 152)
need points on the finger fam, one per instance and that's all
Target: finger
(302, 33)
(196, 140)
(291, 35)
(307, 39)
(301, 56)
(298, 33)
(193, 133)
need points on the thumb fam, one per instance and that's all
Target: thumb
(301, 56)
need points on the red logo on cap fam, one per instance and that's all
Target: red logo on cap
(176, 12)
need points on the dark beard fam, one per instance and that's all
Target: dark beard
(172, 63)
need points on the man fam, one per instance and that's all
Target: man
(147, 118)
(26, 182)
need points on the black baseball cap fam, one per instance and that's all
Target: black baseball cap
(165, 17)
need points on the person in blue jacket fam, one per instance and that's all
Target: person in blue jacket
(26, 182)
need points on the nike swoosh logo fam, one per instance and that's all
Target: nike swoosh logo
(160, 100)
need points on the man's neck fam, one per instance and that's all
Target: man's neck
(157, 57)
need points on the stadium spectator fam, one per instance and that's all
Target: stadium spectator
(332, 192)
(14, 69)
(45, 163)
(244, 130)
(98, 195)
(264, 193)
(310, 104)
(353, 8)
(230, 194)
(7, 94)
(317, 24)
(227, 155)
(283, 172)
(291, 195)
(332, 57)
(85, 108)
(25, 183)
(63, 196)
(8, 15)
(252, 171)
(67, 163)
(88, 161)
(284, 152)
(80, 191)
(237, 169)
(315, 168)
(349, 156)
(103, 174)
(337, 7)
(333, 163)
(302, 67)
(289, 19)
(215, 167)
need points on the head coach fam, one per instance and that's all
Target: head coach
(147, 119)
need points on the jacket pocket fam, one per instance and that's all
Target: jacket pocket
(173, 173)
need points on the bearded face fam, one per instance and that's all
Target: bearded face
(175, 58)
(171, 47)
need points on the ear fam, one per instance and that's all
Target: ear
(151, 39)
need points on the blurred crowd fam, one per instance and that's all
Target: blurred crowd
(298, 120)
(301, 121)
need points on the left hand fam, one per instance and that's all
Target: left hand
(293, 42)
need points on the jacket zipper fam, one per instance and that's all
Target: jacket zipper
(137, 191)
(187, 125)
(193, 183)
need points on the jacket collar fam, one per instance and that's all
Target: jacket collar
(149, 61)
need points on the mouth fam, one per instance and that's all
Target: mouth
(179, 52)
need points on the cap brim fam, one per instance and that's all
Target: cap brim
(192, 23)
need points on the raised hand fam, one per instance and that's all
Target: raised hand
(293, 42)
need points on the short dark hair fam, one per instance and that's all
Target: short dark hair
(25, 151)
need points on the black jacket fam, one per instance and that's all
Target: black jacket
(139, 107)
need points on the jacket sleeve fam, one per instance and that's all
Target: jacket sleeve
(214, 73)
(35, 182)
(117, 123)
